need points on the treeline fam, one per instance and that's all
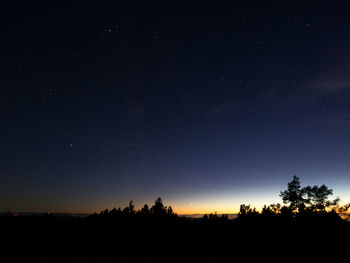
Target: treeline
(307, 219)
(301, 204)
(158, 210)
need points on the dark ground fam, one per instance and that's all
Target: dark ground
(66, 239)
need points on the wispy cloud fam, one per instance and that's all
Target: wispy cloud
(331, 121)
(327, 83)
(217, 109)
(330, 85)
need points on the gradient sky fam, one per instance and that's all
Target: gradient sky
(207, 104)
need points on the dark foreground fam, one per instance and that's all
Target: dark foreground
(68, 239)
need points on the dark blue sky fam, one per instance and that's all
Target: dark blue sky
(208, 104)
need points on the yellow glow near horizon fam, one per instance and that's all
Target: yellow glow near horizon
(213, 206)
(224, 207)
(199, 203)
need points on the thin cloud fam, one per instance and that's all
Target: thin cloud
(320, 85)
(330, 86)
(342, 120)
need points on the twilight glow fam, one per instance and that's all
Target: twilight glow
(207, 105)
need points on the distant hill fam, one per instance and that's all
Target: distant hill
(45, 214)
(196, 216)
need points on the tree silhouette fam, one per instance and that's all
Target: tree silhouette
(267, 211)
(318, 197)
(246, 212)
(158, 208)
(129, 210)
(144, 211)
(113, 212)
(214, 216)
(293, 195)
(308, 199)
(170, 211)
(276, 208)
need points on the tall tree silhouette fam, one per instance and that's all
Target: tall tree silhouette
(158, 208)
(129, 210)
(293, 196)
(308, 199)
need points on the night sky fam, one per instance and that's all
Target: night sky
(207, 104)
